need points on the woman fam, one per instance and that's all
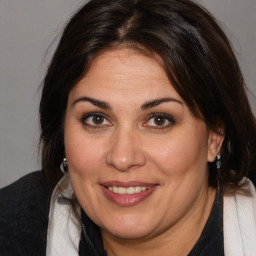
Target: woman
(144, 110)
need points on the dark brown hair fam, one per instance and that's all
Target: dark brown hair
(196, 56)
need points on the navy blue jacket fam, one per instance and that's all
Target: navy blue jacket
(24, 208)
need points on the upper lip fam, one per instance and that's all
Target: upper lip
(127, 184)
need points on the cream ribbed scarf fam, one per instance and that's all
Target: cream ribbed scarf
(239, 214)
(64, 228)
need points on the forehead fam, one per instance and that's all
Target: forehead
(125, 71)
(127, 61)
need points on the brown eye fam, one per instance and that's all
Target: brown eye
(159, 120)
(95, 120)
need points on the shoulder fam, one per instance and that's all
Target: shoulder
(242, 200)
(239, 224)
(246, 192)
(24, 207)
(33, 182)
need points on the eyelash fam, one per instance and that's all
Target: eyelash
(166, 118)
(95, 126)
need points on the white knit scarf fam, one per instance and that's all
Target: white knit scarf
(239, 215)
(64, 227)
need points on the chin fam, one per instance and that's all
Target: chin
(128, 234)
(130, 231)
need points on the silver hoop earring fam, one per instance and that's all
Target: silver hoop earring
(218, 161)
(64, 165)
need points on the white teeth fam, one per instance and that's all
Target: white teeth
(121, 191)
(115, 189)
(137, 189)
(129, 190)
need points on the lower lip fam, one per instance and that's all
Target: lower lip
(128, 200)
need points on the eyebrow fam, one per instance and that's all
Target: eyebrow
(98, 103)
(145, 106)
(156, 102)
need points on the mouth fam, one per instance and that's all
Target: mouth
(129, 190)
(127, 193)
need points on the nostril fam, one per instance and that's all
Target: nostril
(125, 152)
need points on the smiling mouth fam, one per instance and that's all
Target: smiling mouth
(128, 190)
(127, 194)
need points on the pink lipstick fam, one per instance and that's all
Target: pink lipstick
(127, 193)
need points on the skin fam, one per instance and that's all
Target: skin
(125, 143)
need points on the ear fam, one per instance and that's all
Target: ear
(215, 140)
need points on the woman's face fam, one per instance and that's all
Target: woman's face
(137, 157)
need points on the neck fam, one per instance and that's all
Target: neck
(178, 239)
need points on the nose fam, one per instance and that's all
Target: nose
(125, 151)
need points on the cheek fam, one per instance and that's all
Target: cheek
(84, 153)
(180, 153)
(83, 157)
(84, 165)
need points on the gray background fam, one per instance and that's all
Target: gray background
(28, 27)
